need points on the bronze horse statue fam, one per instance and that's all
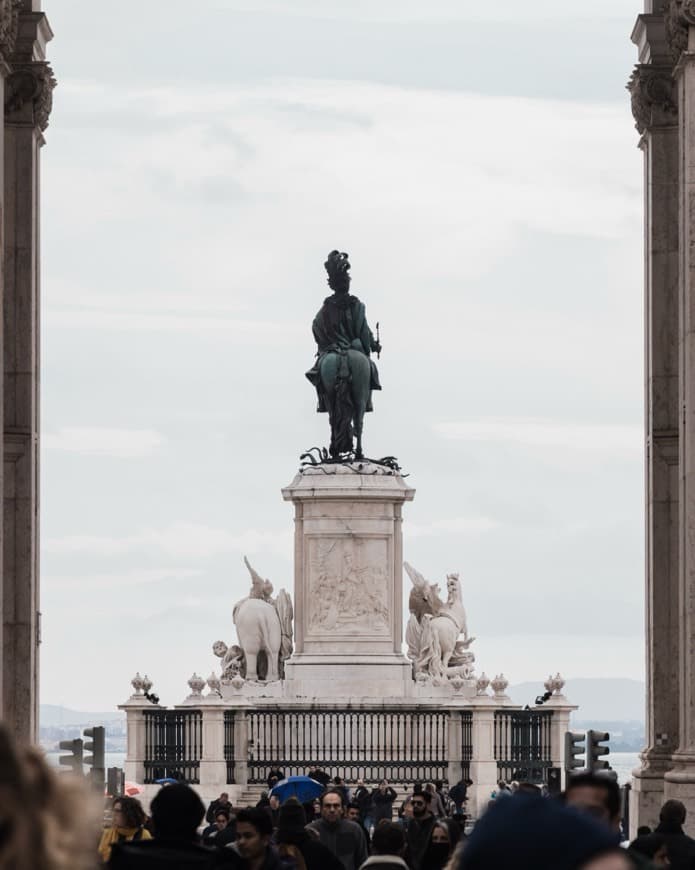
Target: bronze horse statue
(344, 374)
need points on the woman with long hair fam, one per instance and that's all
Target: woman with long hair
(127, 824)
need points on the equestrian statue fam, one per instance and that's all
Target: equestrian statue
(344, 373)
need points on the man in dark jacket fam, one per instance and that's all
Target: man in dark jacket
(253, 847)
(345, 839)
(382, 800)
(363, 799)
(291, 832)
(176, 813)
(419, 829)
(220, 803)
(681, 847)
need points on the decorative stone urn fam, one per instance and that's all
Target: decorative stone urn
(138, 684)
(499, 686)
(214, 684)
(146, 684)
(196, 685)
(481, 685)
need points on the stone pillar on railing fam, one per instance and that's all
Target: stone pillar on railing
(135, 708)
(239, 705)
(455, 738)
(560, 724)
(213, 767)
(483, 763)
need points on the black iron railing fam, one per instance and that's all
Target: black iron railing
(522, 745)
(173, 745)
(403, 746)
(466, 743)
(229, 745)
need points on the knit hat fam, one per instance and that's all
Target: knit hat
(528, 832)
(291, 816)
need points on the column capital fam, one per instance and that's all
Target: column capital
(9, 26)
(679, 15)
(653, 96)
(29, 94)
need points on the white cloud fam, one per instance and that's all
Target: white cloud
(180, 540)
(126, 443)
(546, 433)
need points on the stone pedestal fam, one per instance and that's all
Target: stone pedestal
(348, 583)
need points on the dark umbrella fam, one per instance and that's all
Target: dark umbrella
(304, 788)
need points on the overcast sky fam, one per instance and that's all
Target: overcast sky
(480, 165)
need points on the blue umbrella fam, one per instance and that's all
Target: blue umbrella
(167, 780)
(304, 788)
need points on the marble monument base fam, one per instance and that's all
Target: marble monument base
(359, 676)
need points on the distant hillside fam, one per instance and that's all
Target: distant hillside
(599, 700)
(51, 715)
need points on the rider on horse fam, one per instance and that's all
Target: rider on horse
(341, 325)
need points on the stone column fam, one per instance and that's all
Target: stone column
(348, 583)
(27, 103)
(454, 739)
(654, 105)
(241, 745)
(680, 780)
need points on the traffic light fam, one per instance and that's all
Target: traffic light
(595, 749)
(574, 747)
(96, 761)
(74, 760)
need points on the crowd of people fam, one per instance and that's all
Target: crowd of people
(50, 822)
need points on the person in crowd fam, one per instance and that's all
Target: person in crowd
(340, 786)
(388, 848)
(344, 838)
(643, 830)
(502, 790)
(220, 803)
(253, 848)
(419, 830)
(436, 803)
(596, 795)
(681, 847)
(653, 847)
(405, 813)
(292, 835)
(273, 809)
(127, 823)
(45, 819)
(275, 776)
(352, 813)
(363, 799)
(382, 801)
(459, 794)
(528, 833)
(264, 800)
(177, 811)
(443, 839)
(220, 823)
(319, 775)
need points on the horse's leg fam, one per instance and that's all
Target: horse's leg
(251, 673)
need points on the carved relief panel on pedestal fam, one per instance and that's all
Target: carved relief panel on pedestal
(348, 586)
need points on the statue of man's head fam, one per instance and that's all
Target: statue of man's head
(338, 267)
